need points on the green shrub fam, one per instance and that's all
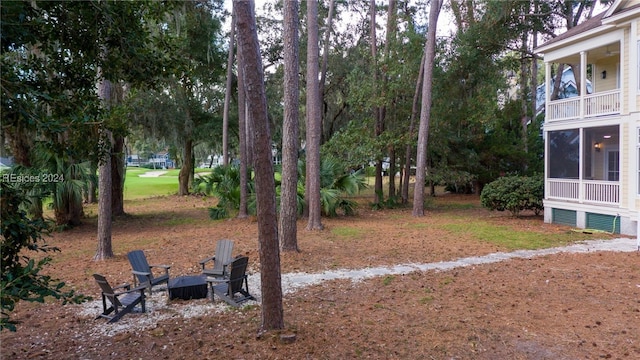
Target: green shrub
(22, 269)
(514, 194)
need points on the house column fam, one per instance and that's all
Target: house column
(547, 97)
(547, 87)
(633, 75)
(583, 81)
(581, 146)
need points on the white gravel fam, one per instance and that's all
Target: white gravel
(159, 308)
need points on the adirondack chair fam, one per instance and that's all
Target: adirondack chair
(142, 271)
(122, 299)
(221, 259)
(235, 283)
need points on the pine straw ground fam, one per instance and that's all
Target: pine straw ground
(562, 306)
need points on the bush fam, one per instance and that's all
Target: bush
(514, 193)
(22, 276)
(459, 182)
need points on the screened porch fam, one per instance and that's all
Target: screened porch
(583, 165)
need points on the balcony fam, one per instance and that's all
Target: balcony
(592, 105)
(594, 91)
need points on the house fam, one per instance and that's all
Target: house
(161, 160)
(592, 140)
(133, 160)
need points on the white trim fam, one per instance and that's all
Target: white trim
(575, 41)
(607, 152)
(634, 65)
(637, 161)
(608, 19)
(613, 8)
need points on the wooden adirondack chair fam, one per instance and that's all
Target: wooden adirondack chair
(235, 283)
(221, 259)
(142, 271)
(121, 302)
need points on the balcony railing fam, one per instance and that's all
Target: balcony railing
(598, 104)
(584, 191)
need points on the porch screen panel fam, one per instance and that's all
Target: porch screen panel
(564, 154)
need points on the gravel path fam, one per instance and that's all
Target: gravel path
(159, 308)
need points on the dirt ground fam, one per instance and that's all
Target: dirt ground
(562, 306)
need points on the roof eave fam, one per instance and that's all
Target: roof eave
(622, 17)
(577, 38)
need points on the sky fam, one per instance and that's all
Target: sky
(444, 23)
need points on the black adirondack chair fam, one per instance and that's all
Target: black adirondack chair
(119, 300)
(142, 271)
(221, 259)
(234, 288)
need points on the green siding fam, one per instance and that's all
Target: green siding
(565, 217)
(602, 222)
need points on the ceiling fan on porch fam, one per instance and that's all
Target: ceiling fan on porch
(611, 52)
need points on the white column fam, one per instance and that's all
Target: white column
(545, 137)
(547, 87)
(633, 75)
(581, 146)
(583, 81)
(638, 232)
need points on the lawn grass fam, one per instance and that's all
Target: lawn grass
(347, 232)
(136, 187)
(509, 237)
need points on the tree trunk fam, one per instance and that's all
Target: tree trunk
(227, 96)
(186, 169)
(117, 176)
(313, 120)
(323, 73)
(20, 140)
(272, 309)
(392, 171)
(105, 179)
(381, 127)
(92, 189)
(249, 133)
(524, 89)
(425, 111)
(104, 249)
(534, 87)
(377, 187)
(414, 112)
(557, 81)
(287, 226)
(243, 211)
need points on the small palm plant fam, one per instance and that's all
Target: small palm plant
(63, 181)
(224, 183)
(334, 184)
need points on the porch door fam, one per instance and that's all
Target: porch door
(613, 165)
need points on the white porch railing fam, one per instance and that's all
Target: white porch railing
(584, 191)
(602, 103)
(598, 104)
(563, 109)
